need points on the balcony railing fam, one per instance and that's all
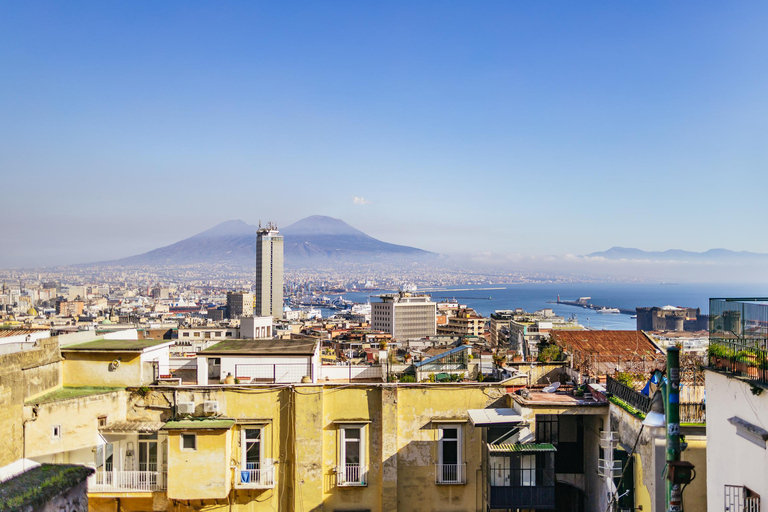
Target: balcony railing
(350, 475)
(450, 473)
(127, 481)
(256, 475)
(745, 358)
(637, 400)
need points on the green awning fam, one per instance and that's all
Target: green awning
(199, 424)
(521, 448)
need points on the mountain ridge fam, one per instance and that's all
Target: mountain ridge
(316, 237)
(716, 254)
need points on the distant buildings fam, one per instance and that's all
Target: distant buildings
(405, 316)
(466, 322)
(671, 318)
(269, 272)
(239, 304)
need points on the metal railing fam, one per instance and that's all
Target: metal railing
(256, 475)
(740, 357)
(634, 398)
(350, 474)
(127, 481)
(450, 473)
(272, 373)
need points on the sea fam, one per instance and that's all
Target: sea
(485, 299)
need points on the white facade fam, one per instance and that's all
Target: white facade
(405, 316)
(256, 327)
(737, 455)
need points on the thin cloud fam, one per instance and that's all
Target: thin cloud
(360, 201)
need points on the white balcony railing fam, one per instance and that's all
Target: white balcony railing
(450, 473)
(127, 481)
(350, 475)
(256, 475)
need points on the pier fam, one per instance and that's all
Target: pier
(582, 303)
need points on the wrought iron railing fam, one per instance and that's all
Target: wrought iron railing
(634, 398)
(450, 473)
(740, 357)
(272, 373)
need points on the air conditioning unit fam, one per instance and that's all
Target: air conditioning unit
(211, 406)
(186, 407)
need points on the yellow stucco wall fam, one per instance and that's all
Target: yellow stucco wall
(93, 369)
(78, 418)
(202, 473)
(695, 494)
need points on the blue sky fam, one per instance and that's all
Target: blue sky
(510, 127)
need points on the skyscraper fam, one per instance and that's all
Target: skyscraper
(268, 299)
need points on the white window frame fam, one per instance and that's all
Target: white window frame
(56, 432)
(342, 471)
(459, 477)
(263, 476)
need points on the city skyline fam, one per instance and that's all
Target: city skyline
(127, 128)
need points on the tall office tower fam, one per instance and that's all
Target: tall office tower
(268, 299)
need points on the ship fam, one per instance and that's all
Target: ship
(609, 310)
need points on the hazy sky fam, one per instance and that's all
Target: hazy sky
(510, 127)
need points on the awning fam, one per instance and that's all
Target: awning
(521, 448)
(127, 427)
(485, 417)
(199, 424)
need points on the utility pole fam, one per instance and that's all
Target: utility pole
(672, 406)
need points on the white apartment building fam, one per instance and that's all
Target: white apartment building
(405, 316)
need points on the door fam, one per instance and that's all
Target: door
(214, 368)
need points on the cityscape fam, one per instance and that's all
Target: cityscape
(420, 257)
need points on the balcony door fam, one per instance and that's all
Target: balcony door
(148, 460)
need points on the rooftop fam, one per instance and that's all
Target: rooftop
(606, 342)
(69, 393)
(263, 347)
(199, 424)
(103, 345)
(559, 399)
(35, 487)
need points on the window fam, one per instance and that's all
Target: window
(102, 421)
(56, 432)
(185, 334)
(352, 455)
(188, 442)
(450, 469)
(739, 498)
(255, 470)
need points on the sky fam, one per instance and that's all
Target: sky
(509, 127)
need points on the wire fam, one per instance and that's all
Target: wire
(623, 471)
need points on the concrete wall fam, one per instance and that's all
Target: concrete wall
(24, 375)
(732, 459)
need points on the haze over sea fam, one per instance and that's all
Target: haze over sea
(532, 297)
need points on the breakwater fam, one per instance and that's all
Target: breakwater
(581, 303)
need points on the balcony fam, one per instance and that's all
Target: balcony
(127, 481)
(448, 474)
(350, 475)
(256, 476)
(738, 338)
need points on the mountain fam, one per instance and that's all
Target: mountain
(712, 255)
(311, 238)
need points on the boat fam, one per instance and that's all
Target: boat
(608, 310)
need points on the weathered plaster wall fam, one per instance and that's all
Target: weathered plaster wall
(23, 375)
(93, 369)
(203, 473)
(78, 418)
(74, 500)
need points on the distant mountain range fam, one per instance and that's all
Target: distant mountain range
(310, 239)
(712, 255)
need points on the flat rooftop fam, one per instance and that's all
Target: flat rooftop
(114, 345)
(263, 347)
(558, 398)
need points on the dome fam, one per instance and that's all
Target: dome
(32, 312)
(106, 322)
